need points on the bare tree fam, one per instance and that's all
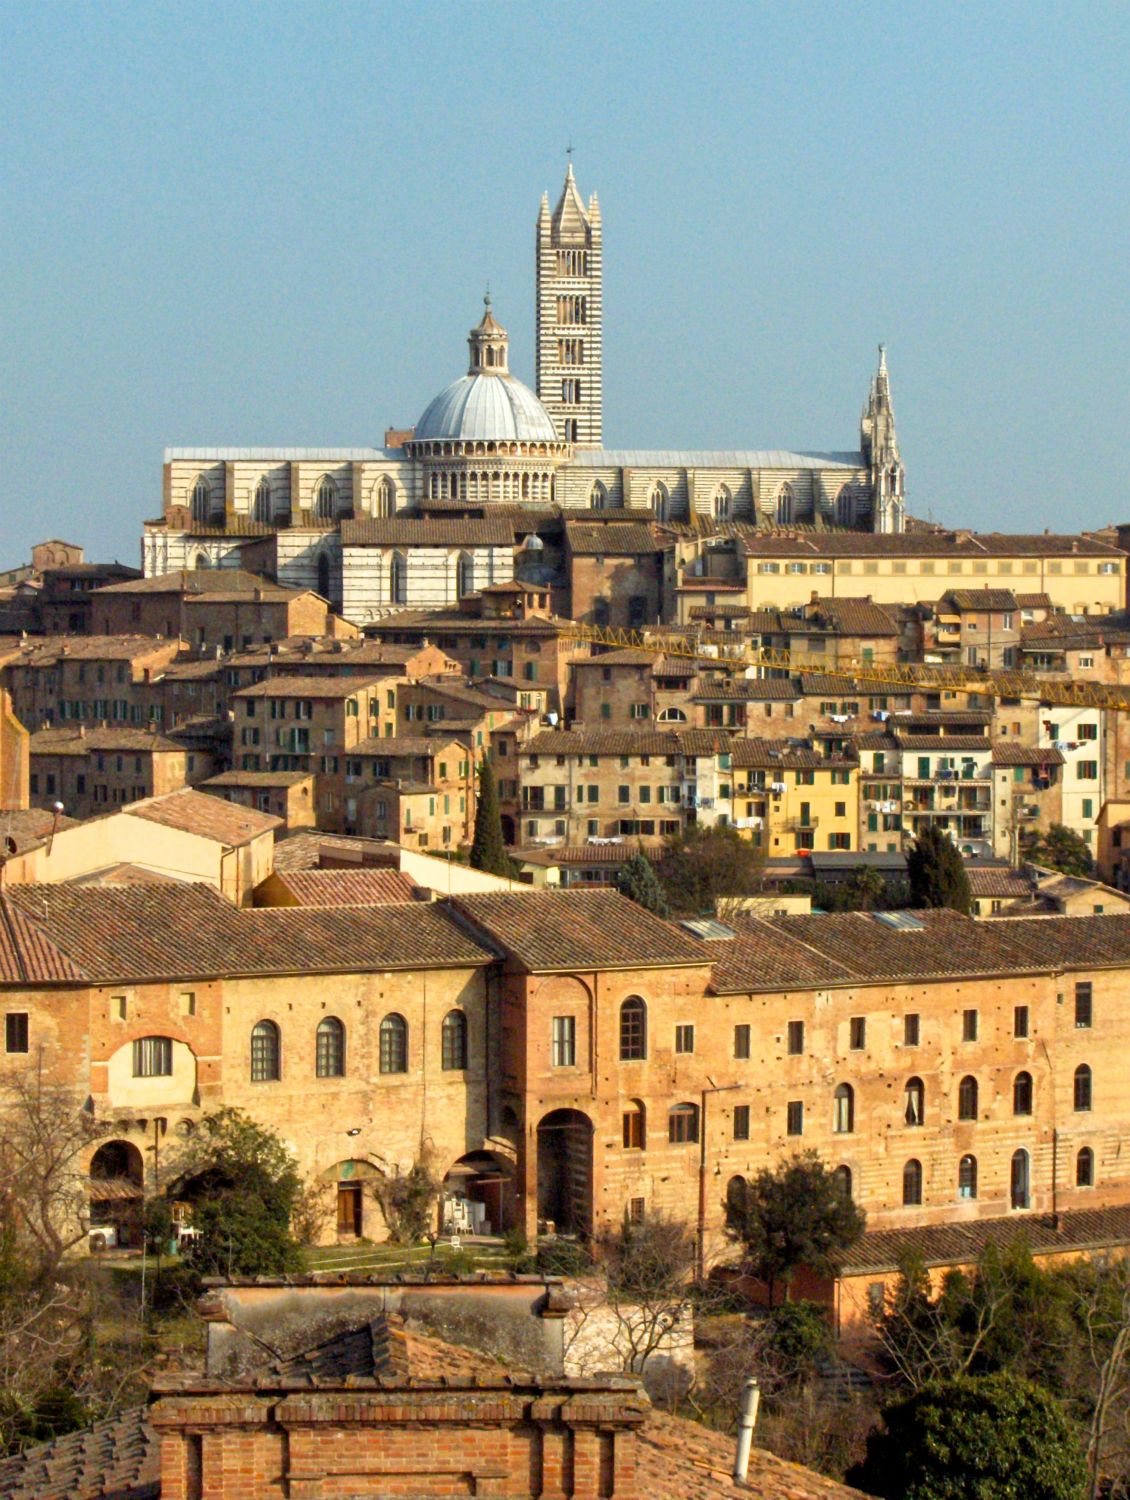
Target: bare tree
(1102, 1314)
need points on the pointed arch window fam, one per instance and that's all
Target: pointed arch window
(912, 1183)
(394, 1044)
(398, 578)
(454, 1042)
(785, 505)
(723, 504)
(659, 502)
(201, 500)
(1020, 1180)
(464, 575)
(262, 507)
(633, 1029)
(265, 1052)
(967, 1177)
(845, 506)
(384, 498)
(598, 497)
(330, 1048)
(967, 1098)
(1082, 1091)
(1022, 1094)
(325, 499)
(1085, 1168)
(843, 1109)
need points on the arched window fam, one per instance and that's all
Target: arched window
(202, 561)
(263, 499)
(912, 1182)
(324, 574)
(1020, 1183)
(1085, 1168)
(598, 496)
(633, 1029)
(785, 505)
(330, 1040)
(842, 1176)
(394, 1044)
(845, 506)
(682, 1124)
(454, 1042)
(671, 716)
(967, 1098)
(659, 501)
(384, 497)
(843, 1110)
(1022, 1094)
(325, 499)
(1082, 1087)
(967, 1177)
(398, 578)
(914, 1102)
(464, 575)
(723, 504)
(264, 1052)
(201, 500)
(635, 1125)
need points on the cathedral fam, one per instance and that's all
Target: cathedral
(452, 505)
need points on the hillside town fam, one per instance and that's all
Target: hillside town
(541, 850)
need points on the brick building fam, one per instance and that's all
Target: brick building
(97, 770)
(85, 679)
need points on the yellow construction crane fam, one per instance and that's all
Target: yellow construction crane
(892, 676)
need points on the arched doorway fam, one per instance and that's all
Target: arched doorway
(117, 1176)
(565, 1172)
(478, 1195)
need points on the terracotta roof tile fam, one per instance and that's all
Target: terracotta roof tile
(620, 539)
(961, 1244)
(1026, 755)
(978, 599)
(349, 887)
(748, 690)
(627, 742)
(677, 1457)
(207, 816)
(990, 881)
(949, 544)
(288, 685)
(118, 1459)
(545, 930)
(79, 740)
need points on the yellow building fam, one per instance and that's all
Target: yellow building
(794, 799)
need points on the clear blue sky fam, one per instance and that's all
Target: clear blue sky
(272, 223)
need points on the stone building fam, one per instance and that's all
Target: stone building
(92, 771)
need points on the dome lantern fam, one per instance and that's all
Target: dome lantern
(489, 345)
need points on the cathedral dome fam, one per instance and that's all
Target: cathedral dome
(486, 407)
(487, 404)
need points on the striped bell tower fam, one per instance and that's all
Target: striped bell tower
(570, 315)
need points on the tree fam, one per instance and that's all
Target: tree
(243, 1185)
(407, 1199)
(936, 872)
(797, 1215)
(705, 865)
(488, 850)
(991, 1437)
(1060, 848)
(637, 880)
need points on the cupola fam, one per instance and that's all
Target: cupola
(489, 345)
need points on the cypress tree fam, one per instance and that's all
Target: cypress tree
(488, 851)
(936, 872)
(637, 880)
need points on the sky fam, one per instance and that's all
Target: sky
(257, 224)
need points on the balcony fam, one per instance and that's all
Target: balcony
(801, 825)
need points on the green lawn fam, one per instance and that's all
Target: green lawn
(394, 1258)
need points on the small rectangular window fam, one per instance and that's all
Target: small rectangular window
(684, 1038)
(969, 1024)
(794, 1117)
(564, 1041)
(1020, 1020)
(1083, 1005)
(15, 1031)
(635, 1210)
(796, 1038)
(741, 1122)
(911, 1029)
(858, 1033)
(741, 1041)
(188, 1003)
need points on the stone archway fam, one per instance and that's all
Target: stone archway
(116, 1188)
(565, 1171)
(478, 1194)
